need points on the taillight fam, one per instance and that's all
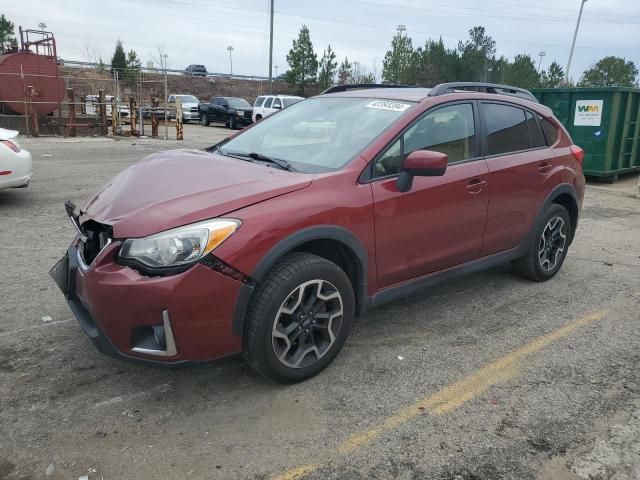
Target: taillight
(578, 153)
(11, 145)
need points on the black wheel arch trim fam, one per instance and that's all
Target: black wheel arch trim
(563, 188)
(290, 243)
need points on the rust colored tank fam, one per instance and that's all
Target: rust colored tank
(40, 72)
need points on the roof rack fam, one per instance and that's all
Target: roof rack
(494, 88)
(361, 86)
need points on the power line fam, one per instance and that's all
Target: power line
(386, 27)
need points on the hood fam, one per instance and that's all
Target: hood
(189, 104)
(8, 134)
(177, 187)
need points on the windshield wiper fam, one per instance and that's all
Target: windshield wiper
(283, 164)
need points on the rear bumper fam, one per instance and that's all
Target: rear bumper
(114, 303)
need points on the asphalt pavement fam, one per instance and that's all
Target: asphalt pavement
(482, 378)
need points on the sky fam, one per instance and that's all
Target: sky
(199, 31)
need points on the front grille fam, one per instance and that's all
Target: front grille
(98, 237)
(247, 114)
(194, 109)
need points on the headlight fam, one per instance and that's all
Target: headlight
(239, 113)
(179, 246)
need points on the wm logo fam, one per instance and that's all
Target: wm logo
(588, 108)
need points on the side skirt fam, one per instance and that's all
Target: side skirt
(409, 287)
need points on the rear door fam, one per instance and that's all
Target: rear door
(519, 169)
(439, 222)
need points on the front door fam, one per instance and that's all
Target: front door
(440, 222)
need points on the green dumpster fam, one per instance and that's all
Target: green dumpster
(605, 122)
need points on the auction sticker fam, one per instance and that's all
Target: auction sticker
(388, 105)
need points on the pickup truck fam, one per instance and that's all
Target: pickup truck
(231, 111)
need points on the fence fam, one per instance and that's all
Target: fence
(88, 103)
(67, 101)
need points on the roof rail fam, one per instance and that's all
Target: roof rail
(494, 88)
(361, 86)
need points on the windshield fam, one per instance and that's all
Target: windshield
(188, 99)
(320, 134)
(290, 101)
(238, 103)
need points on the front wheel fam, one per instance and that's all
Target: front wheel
(204, 120)
(232, 123)
(548, 247)
(299, 319)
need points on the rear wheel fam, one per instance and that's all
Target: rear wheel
(299, 319)
(204, 120)
(548, 247)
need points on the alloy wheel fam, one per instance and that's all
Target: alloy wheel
(307, 323)
(552, 243)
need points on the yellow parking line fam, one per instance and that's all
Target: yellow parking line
(453, 395)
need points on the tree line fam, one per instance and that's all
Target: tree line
(474, 59)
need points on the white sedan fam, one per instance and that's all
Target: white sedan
(15, 162)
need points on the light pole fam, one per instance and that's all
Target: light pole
(573, 44)
(230, 48)
(542, 55)
(276, 69)
(42, 26)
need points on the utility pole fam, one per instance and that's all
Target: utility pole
(541, 54)
(271, 50)
(230, 48)
(573, 44)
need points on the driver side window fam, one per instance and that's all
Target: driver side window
(449, 130)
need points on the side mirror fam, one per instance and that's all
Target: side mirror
(421, 163)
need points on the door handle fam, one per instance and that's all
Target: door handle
(544, 168)
(475, 186)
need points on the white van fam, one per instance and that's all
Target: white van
(265, 105)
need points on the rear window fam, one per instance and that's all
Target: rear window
(259, 101)
(535, 133)
(506, 129)
(550, 131)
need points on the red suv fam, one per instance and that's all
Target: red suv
(272, 241)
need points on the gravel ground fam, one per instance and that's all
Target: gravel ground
(539, 380)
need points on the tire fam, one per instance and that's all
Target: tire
(232, 123)
(204, 120)
(258, 118)
(279, 304)
(546, 255)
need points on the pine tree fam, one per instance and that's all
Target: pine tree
(397, 63)
(303, 61)
(328, 66)
(7, 38)
(553, 77)
(344, 72)
(133, 66)
(119, 60)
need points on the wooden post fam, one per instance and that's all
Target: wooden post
(154, 117)
(33, 111)
(179, 131)
(133, 116)
(102, 106)
(114, 116)
(71, 131)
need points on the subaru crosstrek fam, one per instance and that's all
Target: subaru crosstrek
(272, 241)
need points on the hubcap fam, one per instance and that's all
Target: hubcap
(552, 243)
(307, 323)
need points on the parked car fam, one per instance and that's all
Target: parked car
(92, 106)
(270, 242)
(267, 104)
(196, 70)
(189, 106)
(15, 161)
(231, 111)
